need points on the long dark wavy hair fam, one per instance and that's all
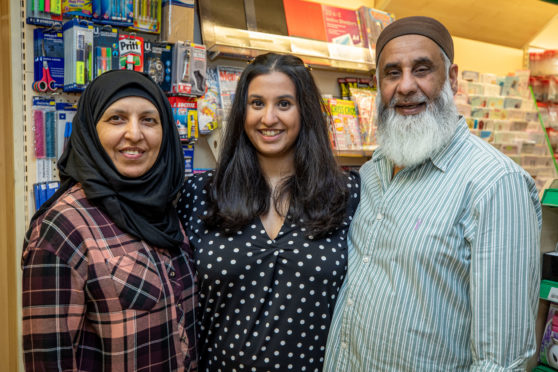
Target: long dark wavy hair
(317, 191)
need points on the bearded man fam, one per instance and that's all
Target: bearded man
(443, 266)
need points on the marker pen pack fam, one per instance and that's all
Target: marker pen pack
(157, 63)
(44, 127)
(113, 12)
(208, 104)
(78, 55)
(105, 49)
(131, 52)
(189, 68)
(65, 113)
(147, 16)
(82, 8)
(44, 12)
(48, 47)
(184, 110)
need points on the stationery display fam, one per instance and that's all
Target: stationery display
(158, 63)
(48, 47)
(78, 55)
(131, 52)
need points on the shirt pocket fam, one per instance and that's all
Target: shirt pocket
(136, 279)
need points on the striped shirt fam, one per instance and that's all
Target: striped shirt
(98, 299)
(443, 268)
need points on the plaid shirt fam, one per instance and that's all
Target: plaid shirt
(98, 299)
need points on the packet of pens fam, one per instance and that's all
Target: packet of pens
(189, 68)
(65, 113)
(113, 12)
(42, 191)
(44, 12)
(44, 127)
(147, 16)
(105, 49)
(78, 55)
(49, 60)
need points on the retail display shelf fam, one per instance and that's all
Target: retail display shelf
(550, 195)
(542, 368)
(354, 153)
(227, 42)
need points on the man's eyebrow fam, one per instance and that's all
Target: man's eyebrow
(423, 61)
(389, 66)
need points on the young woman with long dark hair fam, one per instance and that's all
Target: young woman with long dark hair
(268, 227)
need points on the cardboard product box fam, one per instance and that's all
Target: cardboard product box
(177, 22)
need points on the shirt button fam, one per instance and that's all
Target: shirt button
(379, 216)
(350, 302)
(343, 345)
(172, 274)
(365, 259)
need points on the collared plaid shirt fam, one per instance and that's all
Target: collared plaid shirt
(98, 299)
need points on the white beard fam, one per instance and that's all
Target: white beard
(408, 140)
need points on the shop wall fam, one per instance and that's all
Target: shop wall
(485, 57)
(8, 310)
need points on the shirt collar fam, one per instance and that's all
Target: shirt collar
(442, 159)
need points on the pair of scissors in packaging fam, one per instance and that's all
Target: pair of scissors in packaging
(46, 83)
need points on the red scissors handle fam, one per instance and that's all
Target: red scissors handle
(46, 82)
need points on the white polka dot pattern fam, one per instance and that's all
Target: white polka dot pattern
(266, 303)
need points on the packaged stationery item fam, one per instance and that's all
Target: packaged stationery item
(42, 191)
(105, 43)
(48, 60)
(78, 55)
(44, 12)
(131, 52)
(65, 113)
(82, 8)
(147, 15)
(44, 127)
(189, 68)
(157, 61)
(113, 12)
(185, 114)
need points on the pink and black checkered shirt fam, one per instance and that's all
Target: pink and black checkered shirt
(98, 299)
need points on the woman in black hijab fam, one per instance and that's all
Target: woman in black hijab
(107, 271)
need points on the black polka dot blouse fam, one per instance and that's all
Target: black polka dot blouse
(265, 304)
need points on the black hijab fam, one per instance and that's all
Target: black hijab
(140, 206)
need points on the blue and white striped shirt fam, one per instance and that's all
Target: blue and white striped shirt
(443, 268)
